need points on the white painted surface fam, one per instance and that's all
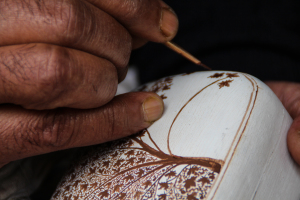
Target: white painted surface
(245, 125)
(241, 126)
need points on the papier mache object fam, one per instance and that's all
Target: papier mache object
(222, 136)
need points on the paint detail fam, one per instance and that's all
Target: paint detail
(232, 75)
(225, 83)
(216, 75)
(159, 86)
(187, 73)
(131, 169)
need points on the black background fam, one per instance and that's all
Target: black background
(259, 37)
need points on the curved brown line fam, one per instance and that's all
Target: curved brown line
(213, 166)
(247, 109)
(92, 192)
(179, 174)
(163, 156)
(153, 141)
(256, 92)
(168, 138)
(133, 182)
(159, 179)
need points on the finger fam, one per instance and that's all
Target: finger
(40, 76)
(27, 133)
(289, 95)
(71, 23)
(293, 140)
(149, 19)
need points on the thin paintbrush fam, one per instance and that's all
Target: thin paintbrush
(185, 54)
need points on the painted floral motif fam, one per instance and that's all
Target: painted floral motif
(225, 83)
(232, 75)
(216, 75)
(159, 86)
(131, 169)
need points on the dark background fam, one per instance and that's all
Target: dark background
(259, 37)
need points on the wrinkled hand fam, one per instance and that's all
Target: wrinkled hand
(289, 94)
(72, 54)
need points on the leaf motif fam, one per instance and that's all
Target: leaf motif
(164, 186)
(216, 75)
(192, 196)
(117, 188)
(163, 96)
(162, 197)
(211, 175)
(131, 169)
(131, 161)
(204, 180)
(106, 164)
(129, 177)
(137, 195)
(150, 174)
(225, 83)
(190, 183)
(171, 174)
(122, 196)
(140, 173)
(193, 170)
(130, 153)
(104, 194)
(147, 184)
(232, 75)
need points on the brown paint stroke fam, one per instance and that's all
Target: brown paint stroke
(225, 83)
(152, 140)
(165, 161)
(216, 75)
(255, 91)
(187, 73)
(232, 75)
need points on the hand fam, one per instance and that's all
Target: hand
(289, 94)
(72, 54)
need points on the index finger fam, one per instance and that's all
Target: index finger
(148, 19)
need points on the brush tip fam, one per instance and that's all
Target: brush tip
(203, 65)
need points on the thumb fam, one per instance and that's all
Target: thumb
(127, 114)
(25, 133)
(289, 94)
(293, 140)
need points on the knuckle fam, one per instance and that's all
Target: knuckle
(54, 129)
(116, 121)
(55, 74)
(108, 85)
(131, 9)
(127, 48)
(76, 21)
(79, 25)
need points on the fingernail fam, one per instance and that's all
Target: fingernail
(168, 23)
(153, 109)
